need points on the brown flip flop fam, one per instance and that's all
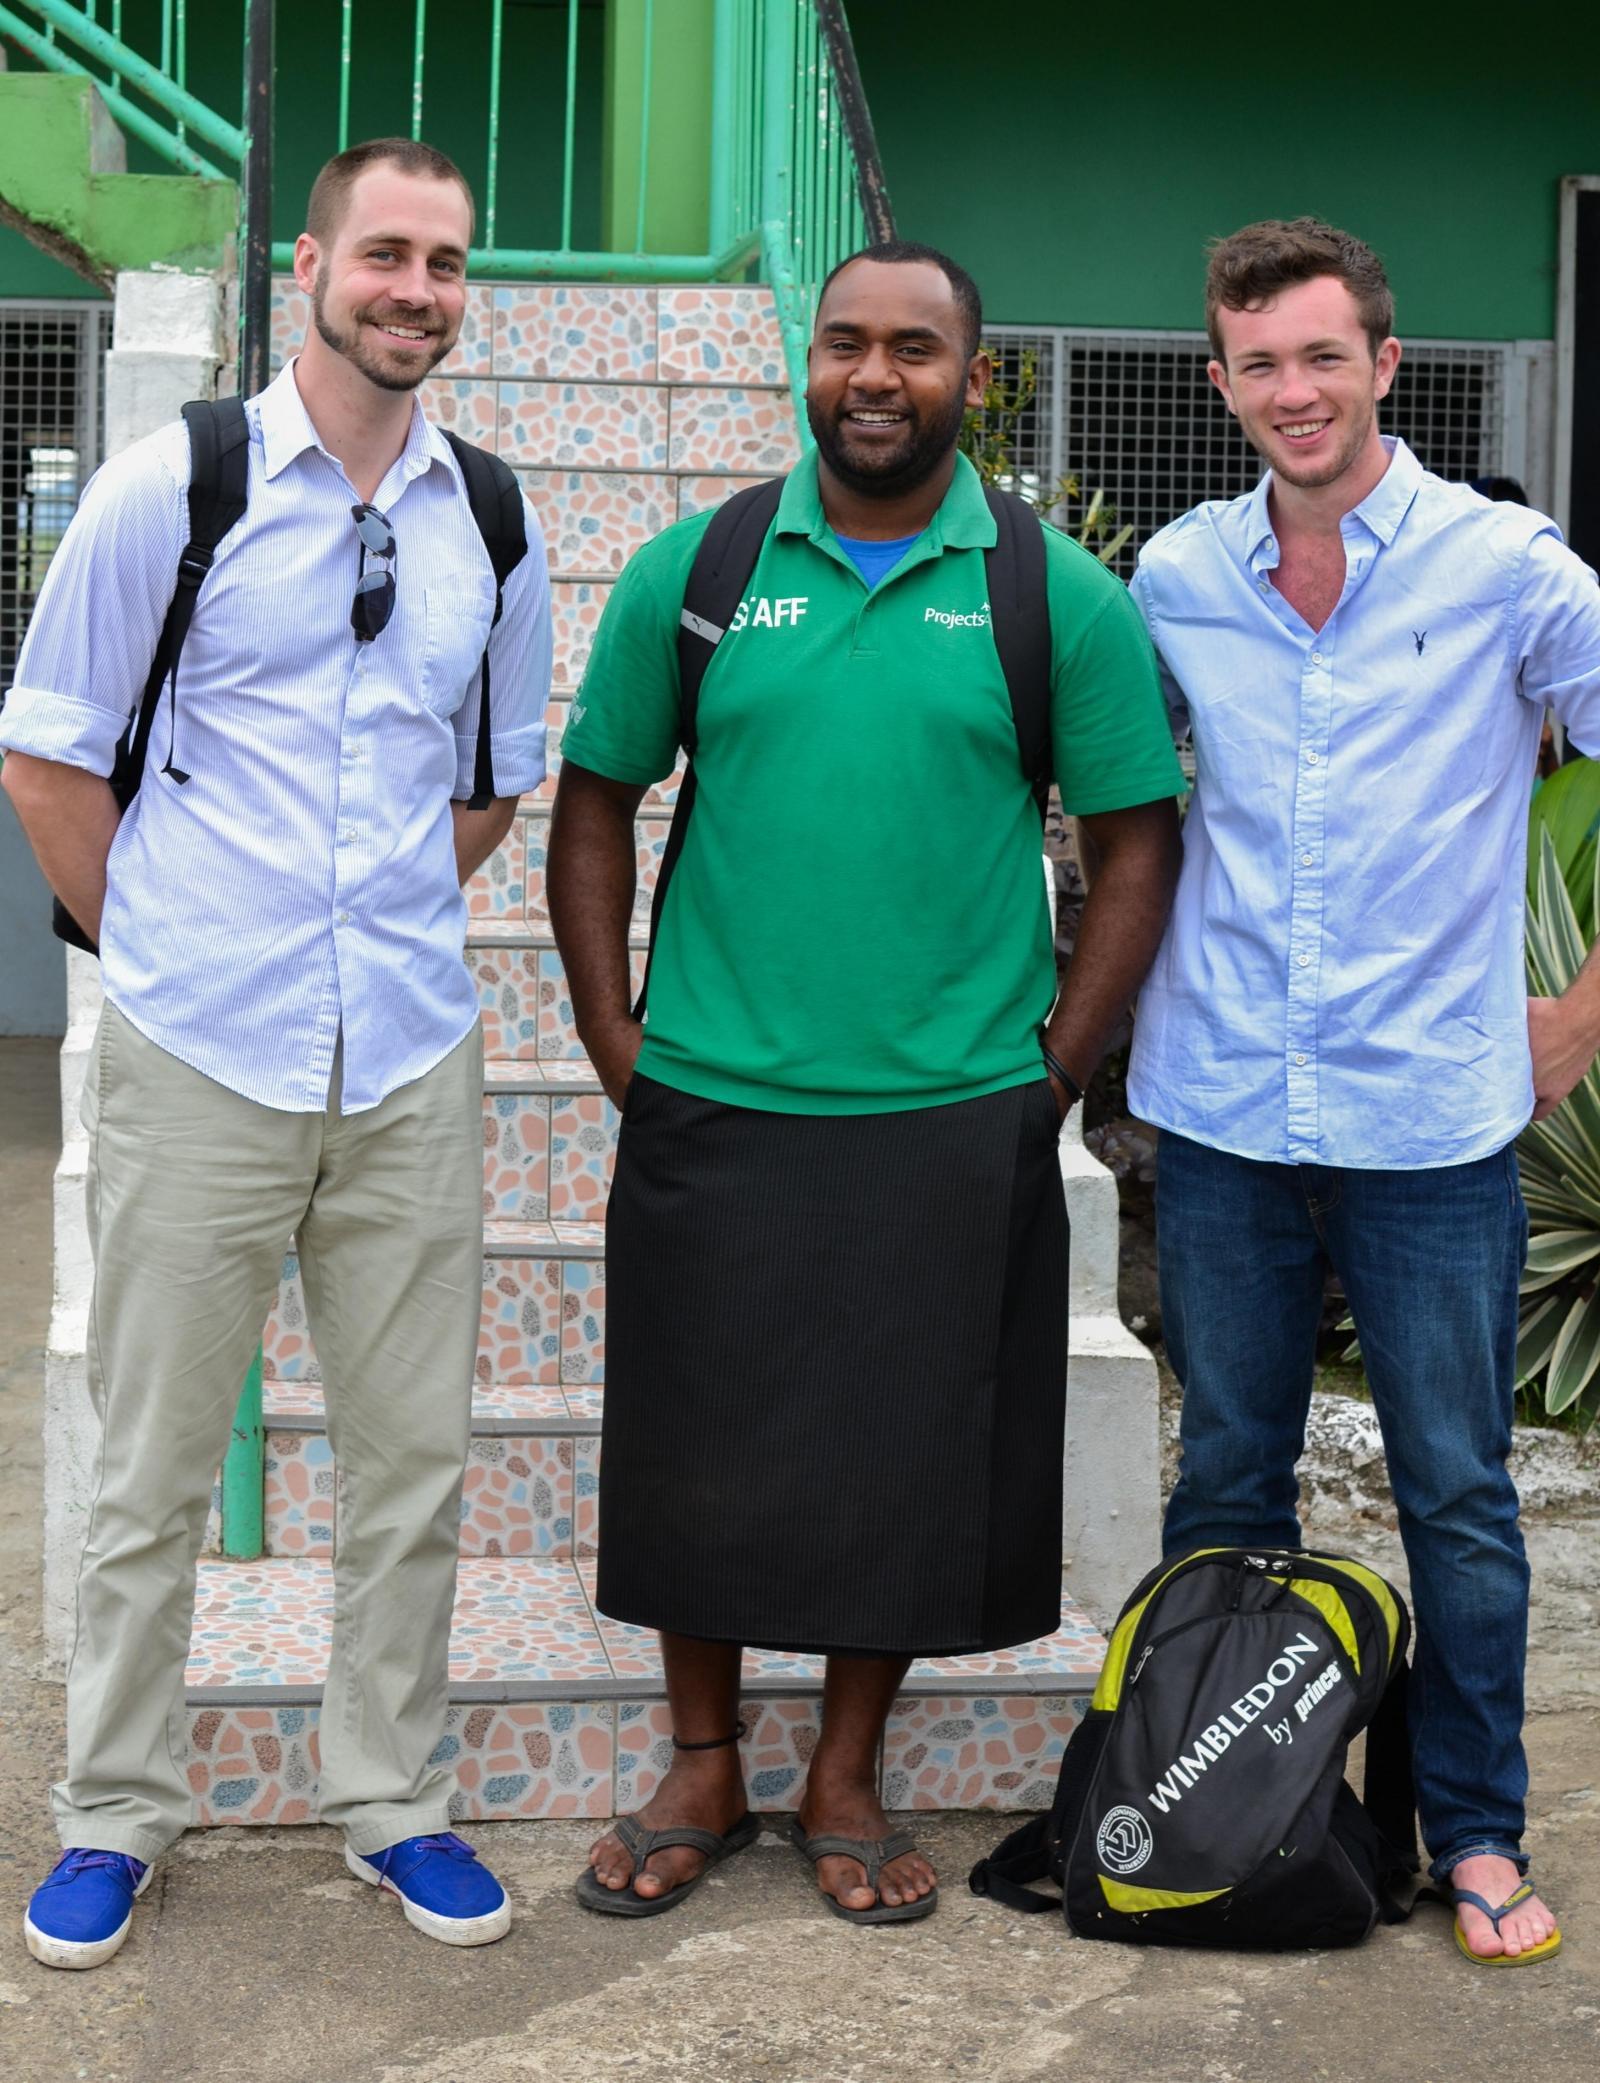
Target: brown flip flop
(639, 1843)
(873, 1854)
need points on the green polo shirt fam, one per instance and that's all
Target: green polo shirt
(858, 921)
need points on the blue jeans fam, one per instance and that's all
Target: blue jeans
(1430, 1262)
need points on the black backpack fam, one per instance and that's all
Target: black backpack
(1202, 1801)
(219, 474)
(1019, 616)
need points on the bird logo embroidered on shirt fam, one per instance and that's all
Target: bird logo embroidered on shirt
(1421, 636)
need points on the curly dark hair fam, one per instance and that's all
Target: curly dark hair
(1249, 267)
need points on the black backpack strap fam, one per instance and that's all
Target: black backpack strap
(496, 501)
(1387, 1792)
(716, 584)
(219, 486)
(1019, 612)
(219, 475)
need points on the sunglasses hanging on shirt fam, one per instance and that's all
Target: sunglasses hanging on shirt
(374, 601)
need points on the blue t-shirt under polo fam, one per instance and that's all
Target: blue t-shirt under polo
(875, 560)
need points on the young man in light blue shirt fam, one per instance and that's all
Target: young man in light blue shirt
(1336, 1039)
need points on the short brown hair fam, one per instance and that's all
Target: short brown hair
(330, 191)
(1249, 268)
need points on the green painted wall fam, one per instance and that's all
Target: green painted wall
(1078, 159)
(455, 106)
(677, 199)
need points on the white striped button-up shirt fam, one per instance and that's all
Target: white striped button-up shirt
(302, 882)
(1341, 981)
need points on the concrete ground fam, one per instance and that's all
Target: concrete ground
(254, 1959)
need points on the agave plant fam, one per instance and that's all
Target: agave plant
(1558, 1335)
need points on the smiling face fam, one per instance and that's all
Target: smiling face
(890, 375)
(1301, 376)
(388, 290)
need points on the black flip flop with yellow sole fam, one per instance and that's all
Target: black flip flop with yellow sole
(639, 1843)
(873, 1854)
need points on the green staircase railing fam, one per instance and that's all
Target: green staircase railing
(794, 182)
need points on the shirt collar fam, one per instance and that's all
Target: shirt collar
(963, 521)
(1380, 513)
(287, 432)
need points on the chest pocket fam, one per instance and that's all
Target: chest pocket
(458, 608)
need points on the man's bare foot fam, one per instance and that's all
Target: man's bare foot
(704, 1789)
(837, 1805)
(1521, 1929)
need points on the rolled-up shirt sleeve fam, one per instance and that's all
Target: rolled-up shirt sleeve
(520, 662)
(93, 634)
(1558, 636)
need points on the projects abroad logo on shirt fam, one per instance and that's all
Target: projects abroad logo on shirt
(947, 618)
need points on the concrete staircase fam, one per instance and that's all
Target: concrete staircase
(625, 408)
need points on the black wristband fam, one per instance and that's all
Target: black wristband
(1059, 1071)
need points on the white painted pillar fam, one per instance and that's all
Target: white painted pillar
(167, 347)
(1111, 1504)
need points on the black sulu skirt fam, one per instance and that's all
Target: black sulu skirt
(836, 1374)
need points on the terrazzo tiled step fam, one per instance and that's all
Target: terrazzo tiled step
(510, 886)
(549, 1146)
(522, 988)
(555, 1711)
(532, 1483)
(543, 1312)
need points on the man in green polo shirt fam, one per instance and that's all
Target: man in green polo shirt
(837, 1241)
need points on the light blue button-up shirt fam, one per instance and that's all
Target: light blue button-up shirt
(303, 880)
(1342, 980)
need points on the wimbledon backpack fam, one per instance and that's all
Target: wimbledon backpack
(1019, 617)
(219, 469)
(1202, 1801)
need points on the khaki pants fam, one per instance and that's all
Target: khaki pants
(194, 1194)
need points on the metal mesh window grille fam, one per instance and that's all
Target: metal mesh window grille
(1135, 415)
(52, 358)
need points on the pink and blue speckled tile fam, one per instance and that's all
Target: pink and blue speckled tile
(744, 431)
(697, 494)
(976, 1752)
(593, 521)
(583, 1148)
(576, 606)
(585, 1402)
(515, 1619)
(585, 1485)
(715, 334)
(530, 1759)
(498, 889)
(776, 1753)
(519, 1339)
(473, 353)
(287, 1351)
(464, 405)
(291, 314)
(508, 999)
(565, 330)
(583, 1320)
(516, 1156)
(298, 1494)
(583, 426)
(558, 1033)
(1077, 1649)
(516, 1498)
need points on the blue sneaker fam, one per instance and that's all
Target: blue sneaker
(80, 1915)
(442, 1888)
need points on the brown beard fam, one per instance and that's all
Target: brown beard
(353, 348)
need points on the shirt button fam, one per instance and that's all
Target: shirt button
(1299, 1059)
(344, 920)
(1311, 759)
(1316, 658)
(1262, 584)
(1305, 860)
(1305, 961)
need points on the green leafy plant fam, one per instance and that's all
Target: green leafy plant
(1558, 1334)
(988, 440)
(1567, 806)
